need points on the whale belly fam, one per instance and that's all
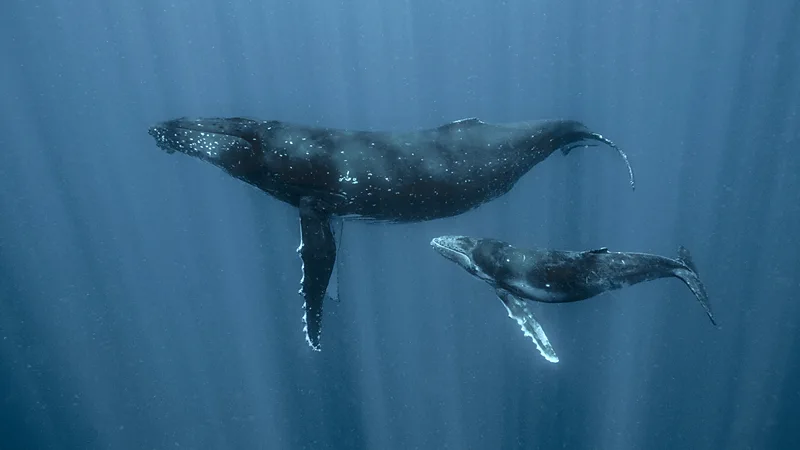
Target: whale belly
(540, 294)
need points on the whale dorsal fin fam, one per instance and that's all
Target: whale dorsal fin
(462, 123)
(598, 250)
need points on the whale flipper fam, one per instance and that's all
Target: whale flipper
(518, 310)
(318, 253)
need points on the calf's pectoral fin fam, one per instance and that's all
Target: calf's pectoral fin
(518, 310)
(318, 253)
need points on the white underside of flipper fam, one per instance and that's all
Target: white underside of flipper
(518, 310)
(314, 346)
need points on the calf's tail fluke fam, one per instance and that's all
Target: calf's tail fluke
(689, 275)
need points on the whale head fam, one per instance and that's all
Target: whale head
(460, 250)
(220, 141)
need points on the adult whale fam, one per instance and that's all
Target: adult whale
(370, 175)
(557, 276)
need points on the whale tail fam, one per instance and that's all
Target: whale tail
(688, 274)
(583, 134)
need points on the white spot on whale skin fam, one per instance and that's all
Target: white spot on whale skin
(346, 177)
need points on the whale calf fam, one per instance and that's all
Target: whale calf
(557, 276)
(378, 176)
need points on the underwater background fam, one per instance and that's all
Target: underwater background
(149, 301)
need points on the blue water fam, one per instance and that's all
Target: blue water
(149, 301)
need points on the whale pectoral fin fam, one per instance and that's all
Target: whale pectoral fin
(518, 310)
(318, 253)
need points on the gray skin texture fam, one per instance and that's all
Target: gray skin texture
(556, 276)
(369, 175)
(381, 176)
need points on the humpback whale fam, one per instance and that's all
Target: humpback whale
(557, 276)
(378, 176)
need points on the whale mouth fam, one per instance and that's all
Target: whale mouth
(159, 133)
(456, 248)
